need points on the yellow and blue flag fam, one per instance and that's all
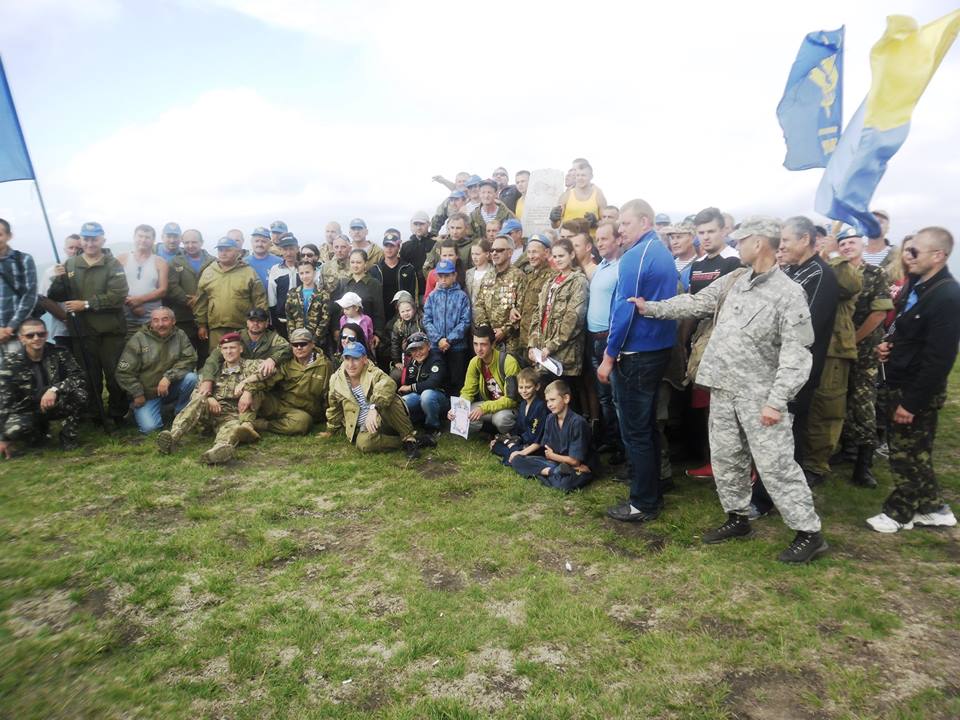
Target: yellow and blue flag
(14, 160)
(903, 61)
(811, 109)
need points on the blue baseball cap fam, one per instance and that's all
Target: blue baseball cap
(355, 350)
(473, 181)
(511, 225)
(288, 240)
(260, 232)
(446, 267)
(391, 237)
(91, 229)
(172, 228)
(457, 195)
(226, 242)
(542, 239)
(661, 219)
(278, 226)
(357, 224)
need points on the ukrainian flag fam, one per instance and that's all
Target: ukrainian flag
(902, 62)
(811, 109)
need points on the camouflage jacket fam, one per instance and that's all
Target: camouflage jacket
(500, 294)
(147, 358)
(563, 333)
(271, 345)
(759, 346)
(317, 320)
(478, 226)
(19, 394)
(225, 381)
(873, 297)
(400, 331)
(533, 282)
(182, 281)
(332, 272)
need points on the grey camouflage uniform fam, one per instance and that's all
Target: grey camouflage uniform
(758, 355)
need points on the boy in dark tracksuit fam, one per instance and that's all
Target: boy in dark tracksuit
(526, 440)
(567, 459)
(421, 383)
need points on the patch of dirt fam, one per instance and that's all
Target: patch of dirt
(457, 494)
(723, 628)
(514, 611)
(287, 655)
(546, 655)
(531, 513)
(108, 503)
(432, 469)
(486, 570)
(773, 695)
(438, 577)
(633, 618)
(51, 611)
(382, 605)
(382, 652)
(96, 602)
(488, 684)
(653, 543)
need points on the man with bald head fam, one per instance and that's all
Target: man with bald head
(156, 369)
(331, 232)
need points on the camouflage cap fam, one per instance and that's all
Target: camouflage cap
(301, 335)
(679, 229)
(764, 225)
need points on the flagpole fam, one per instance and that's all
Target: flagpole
(43, 209)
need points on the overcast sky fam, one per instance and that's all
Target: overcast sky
(233, 113)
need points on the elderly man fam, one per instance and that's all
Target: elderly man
(499, 297)
(421, 382)
(227, 411)
(39, 383)
(93, 286)
(416, 248)
(297, 391)
(156, 369)
(338, 267)
(227, 291)
(363, 403)
(755, 362)
(261, 259)
(917, 358)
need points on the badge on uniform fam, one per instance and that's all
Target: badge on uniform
(435, 368)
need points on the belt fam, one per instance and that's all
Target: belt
(600, 335)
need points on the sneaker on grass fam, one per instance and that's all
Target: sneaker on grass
(941, 517)
(883, 523)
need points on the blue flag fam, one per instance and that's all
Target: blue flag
(811, 109)
(14, 160)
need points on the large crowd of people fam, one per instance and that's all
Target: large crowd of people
(759, 353)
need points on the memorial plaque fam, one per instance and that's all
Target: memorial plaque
(543, 192)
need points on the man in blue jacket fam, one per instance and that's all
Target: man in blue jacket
(636, 357)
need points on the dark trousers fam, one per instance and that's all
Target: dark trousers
(560, 475)
(101, 354)
(456, 370)
(635, 388)
(609, 425)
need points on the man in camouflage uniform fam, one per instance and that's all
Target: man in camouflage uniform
(39, 383)
(182, 280)
(536, 273)
(918, 357)
(297, 392)
(498, 300)
(228, 410)
(338, 267)
(259, 343)
(490, 210)
(859, 436)
(755, 362)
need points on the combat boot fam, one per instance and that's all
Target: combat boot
(245, 433)
(261, 425)
(166, 441)
(804, 548)
(218, 454)
(736, 526)
(862, 474)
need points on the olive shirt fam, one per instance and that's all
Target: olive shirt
(103, 285)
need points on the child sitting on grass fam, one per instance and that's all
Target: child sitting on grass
(567, 456)
(530, 420)
(407, 322)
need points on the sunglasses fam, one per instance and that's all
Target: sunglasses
(299, 344)
(348, 338)
(35, 335)
(914, 253)
(498, 250)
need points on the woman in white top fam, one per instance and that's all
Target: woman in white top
(480, 257)
(146, 278)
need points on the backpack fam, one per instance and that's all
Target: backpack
(509, 381)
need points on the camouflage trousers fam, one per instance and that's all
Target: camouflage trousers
(916, 489)
(860, 425)
(31, 425)
(736, 437)
(827, 412)
(197, 412)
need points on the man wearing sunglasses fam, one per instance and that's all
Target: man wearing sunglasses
(499, 297)
(297, 393)
(39, 383)
(917, 357)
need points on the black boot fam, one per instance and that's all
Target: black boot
(862, 474)
(736, 526)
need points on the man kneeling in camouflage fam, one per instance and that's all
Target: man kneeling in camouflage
(228, 409)
(39, 383)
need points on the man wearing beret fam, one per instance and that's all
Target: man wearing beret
(227, 411)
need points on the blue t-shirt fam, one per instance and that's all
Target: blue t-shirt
(195, 263)
(262, 265)
(307, 299)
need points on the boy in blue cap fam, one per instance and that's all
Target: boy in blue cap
(446, 317)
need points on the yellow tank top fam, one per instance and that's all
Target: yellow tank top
(519, 212)
(578, 208)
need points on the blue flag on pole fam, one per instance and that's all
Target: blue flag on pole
(14, 159)
(903, 62)
(811, 109)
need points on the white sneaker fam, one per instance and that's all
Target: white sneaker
(942, 517)
(883, 523)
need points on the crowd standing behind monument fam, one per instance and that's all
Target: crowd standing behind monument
(606, 344)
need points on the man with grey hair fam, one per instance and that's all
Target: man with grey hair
(755, 362)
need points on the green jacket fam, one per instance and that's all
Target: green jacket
(563, 333)
(304, 387)
(843, 342)
(182, 281)
(474, 387)
(148, 357)
(224, 297)
(463, 252)
(533, 282)
(270, 345)
(103, 285)
(343, 412)
(478, 225)
(318, 317)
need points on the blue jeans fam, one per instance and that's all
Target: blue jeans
(635, 392)
(428, 407)
(148, 415)
(609, 425)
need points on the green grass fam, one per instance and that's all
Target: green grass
(305, 581)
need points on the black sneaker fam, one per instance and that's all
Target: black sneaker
(69, 443)
(411, 449)
(426, 440)
(736, 526)
(804, 548)
(628, 513)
